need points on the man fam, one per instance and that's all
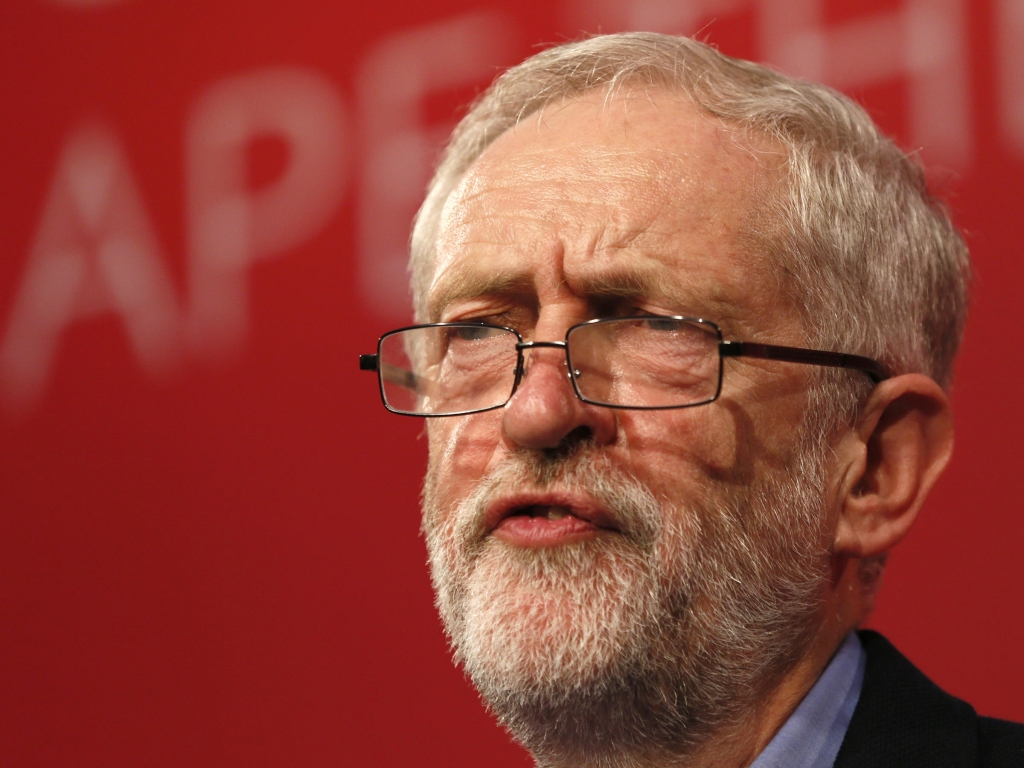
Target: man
(690, 327)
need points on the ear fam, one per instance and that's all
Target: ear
(890, 459)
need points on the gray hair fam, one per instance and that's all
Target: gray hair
(869, 257)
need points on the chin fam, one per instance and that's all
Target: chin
(540, 618)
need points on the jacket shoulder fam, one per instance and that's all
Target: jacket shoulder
(903, 719)
(1001, 743)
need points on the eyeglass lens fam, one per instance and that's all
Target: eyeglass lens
(448, 369)
(645, 362)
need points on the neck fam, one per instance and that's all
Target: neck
(734, 745)
(738, 743)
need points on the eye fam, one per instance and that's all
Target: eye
(472, 332)
(654, 319)
(662, 324)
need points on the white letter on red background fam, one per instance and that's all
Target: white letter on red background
(399, 147)
(1011, 70)
(95, 252)
(677, 17)
(231, 226)
(925, 42)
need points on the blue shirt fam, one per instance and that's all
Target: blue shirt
(812, 735)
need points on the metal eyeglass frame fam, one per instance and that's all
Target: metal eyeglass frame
(872, 368)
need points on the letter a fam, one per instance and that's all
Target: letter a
(94, 252)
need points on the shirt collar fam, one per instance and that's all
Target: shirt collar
(812, 735)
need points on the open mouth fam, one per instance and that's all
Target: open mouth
(546, 522)
(548, 512)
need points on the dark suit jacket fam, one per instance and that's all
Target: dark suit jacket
(904, 720)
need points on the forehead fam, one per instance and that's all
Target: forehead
(635, 194)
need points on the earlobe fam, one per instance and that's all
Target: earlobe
(892, 458)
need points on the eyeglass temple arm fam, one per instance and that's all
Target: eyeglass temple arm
(403, 377)
(806, 356)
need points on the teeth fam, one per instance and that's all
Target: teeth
(557, 513)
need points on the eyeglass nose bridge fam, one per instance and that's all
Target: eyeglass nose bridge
(525, 346)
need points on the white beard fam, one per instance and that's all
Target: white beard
(636, 645)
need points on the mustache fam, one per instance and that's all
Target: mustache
(632, 506)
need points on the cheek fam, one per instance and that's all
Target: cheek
(677, 452)
(461, 451)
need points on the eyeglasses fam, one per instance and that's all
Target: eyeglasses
(649, 362)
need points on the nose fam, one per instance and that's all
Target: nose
(545, 410)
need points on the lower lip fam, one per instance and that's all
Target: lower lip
(525, 531)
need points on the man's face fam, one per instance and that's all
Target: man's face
(587, 552)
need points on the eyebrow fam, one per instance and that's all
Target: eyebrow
(467, 285)
(620, 284)
(470, 285)
(626, 284)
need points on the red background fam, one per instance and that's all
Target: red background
(221, 565)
